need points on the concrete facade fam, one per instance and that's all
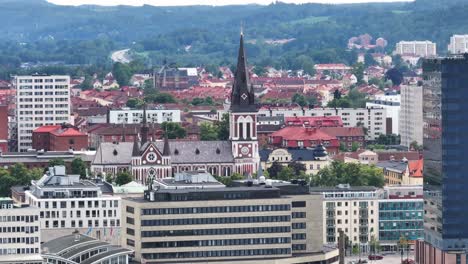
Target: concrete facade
(135, 116)
(411, 115)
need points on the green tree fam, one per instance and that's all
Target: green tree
(56, 162)
(78, 166)
(369, 60)
(374, 245)
(286, 174)
(87, 83)
(299, 99)
(197, 101)
(297, 167)
(343, 147)
(354, 174)
(223, 128)
(415, 146)
(122, 73)
(134, 103)
(354, 147)
(208, 131)
(274, 169)
(358, 71)
(173, 130)
(122, 178)
(160, 98)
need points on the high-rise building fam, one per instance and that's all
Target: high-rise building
(391, 102)
(411, 115)
(40, 100)
(19, 234)
(416, 48)
(445, 162)
(458, 44)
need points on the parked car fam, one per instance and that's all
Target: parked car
(375, 257)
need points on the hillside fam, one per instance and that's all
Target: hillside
(35, 30)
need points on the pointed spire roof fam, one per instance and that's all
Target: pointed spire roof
(144, 128)
(136, 147)
(242, 95)
(166, 149)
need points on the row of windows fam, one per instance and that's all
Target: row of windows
(299, 236)
(79, 223)
(401, 206)
(41, 80)
(299, 215)
(299, 247)
(88, 214)
(400, 215)
(217, 242)
(218, 209)
(220, 231)
(298, 225)
(22, 218)
(218, 220)
(14, 251)
(81, 204)
(19, 229)
(17, 240)
(218, 253)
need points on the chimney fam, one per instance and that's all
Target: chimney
(76, 234)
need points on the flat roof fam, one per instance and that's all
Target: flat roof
(350, 189)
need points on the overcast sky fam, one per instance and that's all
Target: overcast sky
(203, 2)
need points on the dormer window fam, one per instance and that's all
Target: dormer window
(197, 151)
(115, 152)
(218, 151)
(176, 152)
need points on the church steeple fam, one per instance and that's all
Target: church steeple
(242, 95)
(144, 128)
(166, 149)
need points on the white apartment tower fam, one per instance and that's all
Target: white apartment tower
(458, 44)
(411, 115)
(40, 100)
(416, 48)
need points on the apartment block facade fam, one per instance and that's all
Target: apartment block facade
(41, 100)
(411, 115)
(19, 234)
(354, 210)
(416, 48)
(135, 116)
(458, 44)
(67, 203)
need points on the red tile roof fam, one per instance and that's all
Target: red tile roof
(344, 131)
(46, 129)
(416, 168)
(301, 133)
(67, 132)
(314, 121)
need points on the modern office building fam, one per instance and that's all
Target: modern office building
(458, 44)
(77, 248)
(401, 215)
(20, 238)
(40, 100)
(135, 116)
(416, 48)
(67, 203)
(248, 224)
(411, 115)
(353, 210)
(445, 142)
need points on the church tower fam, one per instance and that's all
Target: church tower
(243, 118)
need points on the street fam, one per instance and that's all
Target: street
(120, 56)
(388, 259)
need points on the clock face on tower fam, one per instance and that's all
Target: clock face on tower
(245, 150)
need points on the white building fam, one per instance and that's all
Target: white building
(355, 210)
(19, 234)
(135, 116)
(416, 48)
(391, 103)
(40, 100)
(373, 118)
(67, 203)
(458, 44)
(411, 115)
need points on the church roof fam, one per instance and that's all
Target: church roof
(114, 153)
(242, 95)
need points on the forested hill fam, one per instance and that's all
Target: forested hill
(35, 30)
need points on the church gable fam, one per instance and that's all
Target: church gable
(151, 154)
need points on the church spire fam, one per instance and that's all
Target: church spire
(144, 127)
(242, 95)
(166, 149)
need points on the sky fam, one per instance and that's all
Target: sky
(203, 2)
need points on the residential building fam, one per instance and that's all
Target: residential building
(411, 115)
(361, 156)
(59, 138)
(391, 103)
(19, 234)
(402, 172)
(313, 159)
(336, 68)
(159, 159)
(135, 116)
(256, 224)
(349, 137)
(445, 142)
(4, 133)
(458, 44)
(67, 203)
(41, 100)
(353, 210)
(314, 121)
(416, 48)
(401, 215)
(169, 78)
(301, 137)
(78, 248)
